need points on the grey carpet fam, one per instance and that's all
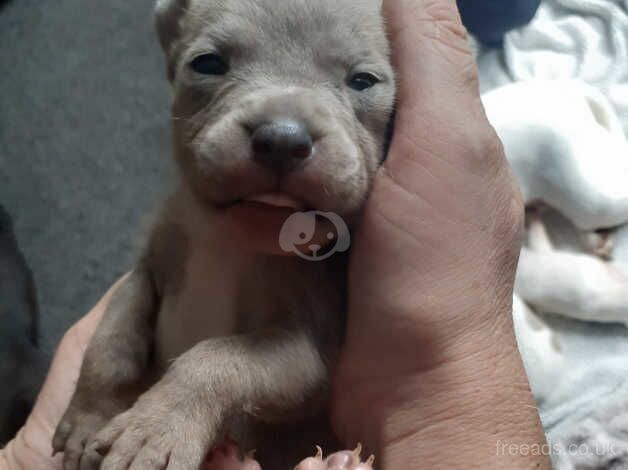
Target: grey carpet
(83, 143)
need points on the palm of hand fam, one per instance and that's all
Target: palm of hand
(439, 241)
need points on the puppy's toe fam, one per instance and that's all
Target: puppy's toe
(72, 433)
(61, 435)
(186, 454)
(93, 455)
(105, 438)
(154, 455)
(123, 451)
(72, 452)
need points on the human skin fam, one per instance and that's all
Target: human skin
(430, 375)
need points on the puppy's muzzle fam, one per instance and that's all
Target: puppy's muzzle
(281, 144)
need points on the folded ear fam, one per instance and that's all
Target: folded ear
(168, 14)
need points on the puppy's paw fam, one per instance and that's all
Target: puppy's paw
(162, 430)
(344, 460)
(76, 428)
(227, 457)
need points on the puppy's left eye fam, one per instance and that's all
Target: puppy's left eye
(209, 64)
(362, 81)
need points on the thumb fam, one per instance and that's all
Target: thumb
(431, 55)
(444, 152)
(440, 114)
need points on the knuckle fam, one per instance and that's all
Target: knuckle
(485, 150)
(492, 147)
(469, 75)
(515, 221)
(518, 204)
(509, 223)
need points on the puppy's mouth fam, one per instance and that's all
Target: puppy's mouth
(256, 221)
(276, 200)
(267, 202)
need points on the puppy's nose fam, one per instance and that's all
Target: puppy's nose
(281, 144)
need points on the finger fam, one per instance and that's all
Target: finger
(430, 52)
(445, 161)
(441, 123)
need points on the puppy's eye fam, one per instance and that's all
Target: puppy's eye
(362, 81)
(210, 64)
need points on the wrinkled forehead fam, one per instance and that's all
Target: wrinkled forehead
(351, 27)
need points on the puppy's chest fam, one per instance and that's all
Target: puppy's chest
(225, 293)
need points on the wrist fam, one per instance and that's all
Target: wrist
(474, 400)
(478, 411)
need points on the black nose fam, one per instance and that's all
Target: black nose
(281, 144)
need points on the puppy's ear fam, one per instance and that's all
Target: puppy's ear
(168, 15)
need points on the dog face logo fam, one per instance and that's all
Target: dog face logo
(314, 235)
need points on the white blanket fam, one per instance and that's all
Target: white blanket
(585, 39)
(563, 120)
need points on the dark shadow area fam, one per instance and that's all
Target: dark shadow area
(23, 364)
(84, 140)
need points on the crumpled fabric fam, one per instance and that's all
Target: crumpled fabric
(563, 117)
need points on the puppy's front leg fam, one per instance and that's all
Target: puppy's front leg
(114, 370)
(271, 374)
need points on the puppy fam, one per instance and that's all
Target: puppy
(279, 107)
(23, 364)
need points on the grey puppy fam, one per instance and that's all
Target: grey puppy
(279, 106)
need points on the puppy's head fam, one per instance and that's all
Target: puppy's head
(282, 102)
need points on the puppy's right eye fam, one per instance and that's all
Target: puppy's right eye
(209, 64)
(362, 81)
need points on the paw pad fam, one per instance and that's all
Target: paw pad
(227, 457)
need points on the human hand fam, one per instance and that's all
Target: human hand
(430, 371)
(32, 448)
